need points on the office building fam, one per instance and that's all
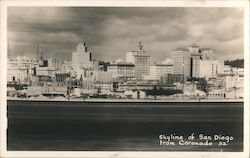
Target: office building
(210, 68)
(158, 70)
(81, 58)
(181, 62)
(140, 60)
(121, 70)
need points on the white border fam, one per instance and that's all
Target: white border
(115, 3)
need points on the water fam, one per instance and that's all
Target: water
(76, 126)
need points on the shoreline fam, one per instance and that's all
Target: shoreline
(123, 100)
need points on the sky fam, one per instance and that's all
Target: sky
(110, 32)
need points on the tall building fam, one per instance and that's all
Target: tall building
(141, 61)
(188, 61)
(81, 58)
(181, 62)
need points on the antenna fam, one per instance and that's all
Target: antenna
(140, 46)
(37, 50)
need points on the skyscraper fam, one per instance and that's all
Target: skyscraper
(181, 62)
(141, 61)
(195, 57)
(81, 58)
(187, 61)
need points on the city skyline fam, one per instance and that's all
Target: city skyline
(110, 32)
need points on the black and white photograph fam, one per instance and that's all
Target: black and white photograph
(126, 78)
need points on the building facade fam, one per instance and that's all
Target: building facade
(158, 70)
(119, 70)
(207, 54)
(19, 67)
(81, 58)
(141, 61)
(181, 62)
(210, 68)
(196, 62)
(55, 63)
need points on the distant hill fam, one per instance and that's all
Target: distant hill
(235, 63)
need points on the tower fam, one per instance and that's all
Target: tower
(81, 58)
(141, 61)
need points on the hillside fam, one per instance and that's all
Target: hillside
(235, 63)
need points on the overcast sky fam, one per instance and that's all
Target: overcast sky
(110, 32)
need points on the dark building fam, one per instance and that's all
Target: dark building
(61, 77)
(172, 78)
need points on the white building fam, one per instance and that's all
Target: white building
(181, 62)
(104, 76)
(187, 60)
(19, 67)
(158, 70)
(207, 54)
(66, 66)
(210, 68)
(141, 61)
(234, 86)
(86, 74)
(118, 70)
(104, 86)
(81, 58)
(233, 70)
(54, 63)
(195, 65)
(45, 71)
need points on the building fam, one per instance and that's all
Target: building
(207, 54)
(226, 86)
(141, 61)
(54, 63)
(121, 70)
(189, 61)
(234, 86)
(66, 66)
(18, 68)
(86, 74)
(195, 65)
(181, 62)
(81, 58)
(61, 76)
(104, 76)
(233, 70)
(172, 78)
(210, 68)
(102, 86)
(45, 71)
(158, 70)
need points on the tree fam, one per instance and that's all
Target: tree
(202, 84)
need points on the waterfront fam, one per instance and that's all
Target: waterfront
(97, 126)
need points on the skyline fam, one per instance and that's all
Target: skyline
(110, 32)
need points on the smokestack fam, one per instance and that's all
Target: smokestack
(85, 47)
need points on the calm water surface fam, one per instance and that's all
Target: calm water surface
(76, 126)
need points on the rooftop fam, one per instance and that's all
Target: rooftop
(181, 49)
(194, 45)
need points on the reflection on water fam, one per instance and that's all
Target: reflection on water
(119, 126)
